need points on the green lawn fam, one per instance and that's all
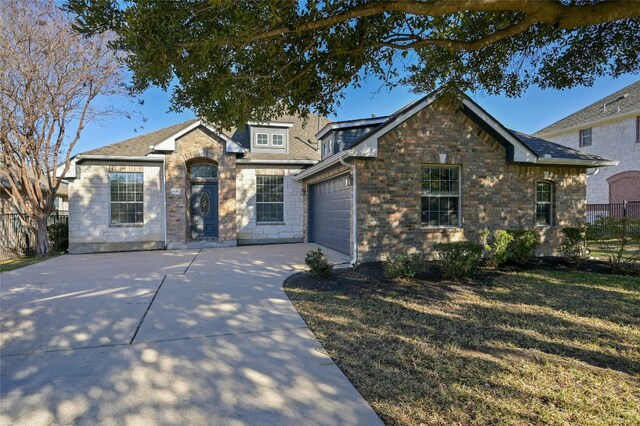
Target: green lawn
(599, 250)
(533, 347)
(20, 262)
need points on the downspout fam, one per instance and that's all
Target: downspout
(164, 196)
(354, 209)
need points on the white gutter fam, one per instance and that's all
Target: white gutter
(354, 210)
(576, 162)
(256, 161)
(118, 158)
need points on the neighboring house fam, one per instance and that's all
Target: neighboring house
(7, 206)
(610, 128)
(434, 171)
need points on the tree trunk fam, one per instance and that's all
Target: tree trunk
(42, 238)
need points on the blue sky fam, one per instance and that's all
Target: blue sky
(534, 110)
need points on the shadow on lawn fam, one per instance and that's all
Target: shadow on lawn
(522, 344)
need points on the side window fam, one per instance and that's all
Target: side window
(585, 137)
(277, 140)
(544, 203)
(262, 139)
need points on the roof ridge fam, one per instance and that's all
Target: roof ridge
(618, 93)
(177, 126)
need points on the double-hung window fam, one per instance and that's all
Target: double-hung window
(127, 198)
(585, 137)
(269, 199)
(544, 203)
(440, 196)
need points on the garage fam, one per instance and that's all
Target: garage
(330, 213)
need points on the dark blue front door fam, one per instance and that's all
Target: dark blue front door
(204, 210)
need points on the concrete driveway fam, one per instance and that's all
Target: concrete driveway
(168, 337)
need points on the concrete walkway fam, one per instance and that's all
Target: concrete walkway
(169, 337)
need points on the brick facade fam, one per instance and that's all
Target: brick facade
(494, 194)
(199, 145)
(624, 186)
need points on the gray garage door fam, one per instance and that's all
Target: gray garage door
(330, 213)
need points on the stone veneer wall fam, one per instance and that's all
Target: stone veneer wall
(613, 140)
(250, 232)
(89, 210)
(494, 194)
(200, 144)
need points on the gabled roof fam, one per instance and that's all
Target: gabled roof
(624, 102)
(140, 146)
(303, 146)
(347, 124)
(521, 148)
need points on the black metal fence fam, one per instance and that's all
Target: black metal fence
(18, 240)
(628, 209)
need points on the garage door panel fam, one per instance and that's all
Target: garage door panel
(330, 213)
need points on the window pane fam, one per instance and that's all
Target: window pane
(269, 198)
(127, 194)
(262, 139)
(209, 171)
(278, 140)
(440, 190)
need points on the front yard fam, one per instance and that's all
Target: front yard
(525, 347)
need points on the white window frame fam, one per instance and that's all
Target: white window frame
(273, 140)
(258, 139)
(424, 195)
(258, 221)
(551, 203)
(121, 202)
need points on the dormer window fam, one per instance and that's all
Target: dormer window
(270, 138)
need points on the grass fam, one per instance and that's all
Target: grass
(599, 250)
(21, 262)
(533, 347)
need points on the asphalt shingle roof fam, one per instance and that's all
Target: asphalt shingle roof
(302, 142)
(542, 147)
(139, 146)
(621, 102)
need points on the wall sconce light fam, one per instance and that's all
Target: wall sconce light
(443, 158)
(349, 181)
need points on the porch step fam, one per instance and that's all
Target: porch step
(200, 245)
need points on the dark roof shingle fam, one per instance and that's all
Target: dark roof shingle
(544, 148)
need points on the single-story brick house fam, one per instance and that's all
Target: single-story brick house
(436, 170)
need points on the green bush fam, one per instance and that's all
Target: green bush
(404, 265)
(459, 259)
(496, 251)
(522, 249)
(574, 244)
(58, 237)
(318, 263)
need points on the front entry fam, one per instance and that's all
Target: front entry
(204, 210)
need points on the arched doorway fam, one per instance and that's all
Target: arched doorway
(624, 186)
(203, 176)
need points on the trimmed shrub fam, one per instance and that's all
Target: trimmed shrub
(459, 259)
(404, 265)
(496, 252)
(318, 263)
(58, 237)
(574, 244)
(522, 249)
